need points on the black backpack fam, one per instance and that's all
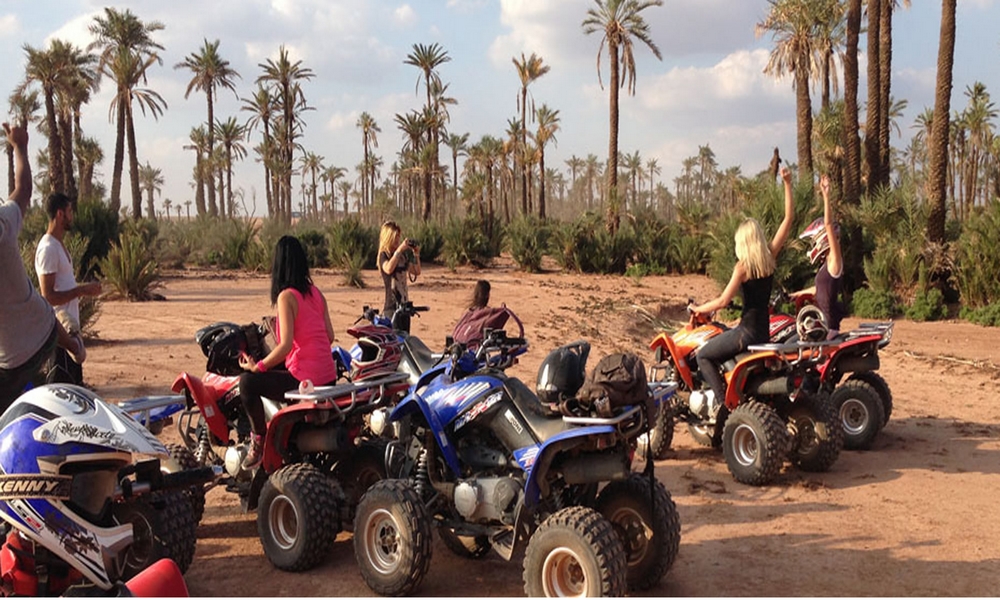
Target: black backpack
(617, 380)
(223, 343)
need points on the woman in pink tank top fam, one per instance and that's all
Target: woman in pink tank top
(304, 333)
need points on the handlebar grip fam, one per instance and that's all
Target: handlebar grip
(188, 477)
(417, 309)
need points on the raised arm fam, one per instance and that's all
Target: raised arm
(835, 259)
(17, 137)
(786, 224)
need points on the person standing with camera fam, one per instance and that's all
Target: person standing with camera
(399, 265)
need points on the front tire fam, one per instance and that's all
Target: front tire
(754, 442)
(818, 434)
(651, 536)
(861, 413)
(196, 493)
(163, 526)
(876, 381)
(659, 437)
(392, 538)
(297, 517)
(575, 552)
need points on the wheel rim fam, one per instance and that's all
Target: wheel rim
(745, 445)
(634, 532)
(805, 428)
(283, 521)
(563, 575)
(382, 541)
(142, 541)
(854, 415)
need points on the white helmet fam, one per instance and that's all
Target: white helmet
(810, 324)
(820, 241)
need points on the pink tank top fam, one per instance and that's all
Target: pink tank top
(310, 357)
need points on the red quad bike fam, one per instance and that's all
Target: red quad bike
(863, 398)
(774, 406)
(319, 455)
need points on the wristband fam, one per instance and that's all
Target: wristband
(261, 367)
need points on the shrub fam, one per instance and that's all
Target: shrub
(238, 238)
(873, 304)
(350, 239)
(977, 261)
(353, 263)
(654, 242)
(927, 306)
(431, 240)
(317, 249)
(586, 246)
(469, 241)
(988, 315)
(129, 268)
(690, 253)
(528, 239)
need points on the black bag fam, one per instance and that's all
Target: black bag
(617, 380)
(223, 343)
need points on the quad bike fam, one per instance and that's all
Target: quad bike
(103, 513)
(319, 456)
(863, 398)
(774, 405)
(486, 463)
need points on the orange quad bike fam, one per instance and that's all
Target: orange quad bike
(774, 407)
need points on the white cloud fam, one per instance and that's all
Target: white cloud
(9, 25)
(76, 31)
(405, 15)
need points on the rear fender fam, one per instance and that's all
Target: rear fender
(680, 364)
(206, 398)
(279, 430)
(858, 354)
(737, 378)
(537, 463)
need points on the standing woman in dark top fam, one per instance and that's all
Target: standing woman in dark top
(826, 248)
(753, 275)
(398, 263)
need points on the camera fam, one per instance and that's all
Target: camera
(412, 243)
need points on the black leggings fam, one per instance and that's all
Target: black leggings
(13, 381)
(273, 385)
(717, 351)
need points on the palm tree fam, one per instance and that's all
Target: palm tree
(886, 10)
(528, 70)
(88, 155)
(44, 67)
(632, 163)
(369, 139)
(231, 135)
(261, 107)
(286, 79)
(938, 155)
(427, 59)
(345, 190)
(187, 208)
(977, 118)
(166, 207)
(548, 125)
(459, 145)
(331, 175)
(793, 25)
(575, 164)
(852, 143)
(312, 163)
(619, 21)
(209, 72)
(830, 36)
(199, 143)
(23, 106)
(151, 181)
(120, 35)
(78, 79)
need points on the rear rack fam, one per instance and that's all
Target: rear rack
(147, 408)
(330, 393)
(803, 351)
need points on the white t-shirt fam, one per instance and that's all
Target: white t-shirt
(26, 319)
(52, 258)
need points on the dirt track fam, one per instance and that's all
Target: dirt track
(915, 516)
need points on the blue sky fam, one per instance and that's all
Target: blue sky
(709, 87)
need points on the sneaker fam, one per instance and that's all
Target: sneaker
(256, 453)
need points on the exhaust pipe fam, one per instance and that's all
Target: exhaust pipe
(855, 364)
(593, 468)
(775, 386)
(329, 439)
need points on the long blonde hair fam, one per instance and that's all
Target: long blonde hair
(390, 231)
(753, 250)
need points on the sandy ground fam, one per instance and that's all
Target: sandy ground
(916, 515)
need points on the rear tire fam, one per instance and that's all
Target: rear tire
(754, 442)
(819, 434)
(196, 493)
(575, 552)
(702, 434)
(860, 409)
(651, 539)
(163, 526)
(392, 538)
(297, 517)
(880, 385)
(659, 437)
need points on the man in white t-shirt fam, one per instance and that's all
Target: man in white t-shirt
(57, 281)
(28, 327)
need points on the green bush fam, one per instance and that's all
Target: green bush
(317, 249)
(130, 269)
(654, 242)
(988, 315)
(528, 239)
(586, 246)
(927, 306)
(469, 241)
(977, 261)
(353, 264)
(430, 238)
(351, 240)
(873, 304)
(690, 253)
(238, 239)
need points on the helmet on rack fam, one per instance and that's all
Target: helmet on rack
(820, 242)
(810, 324)
(379, 352)
(562, 373)
(61, 450)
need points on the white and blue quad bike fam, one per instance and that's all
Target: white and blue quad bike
(488, 464)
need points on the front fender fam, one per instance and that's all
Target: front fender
(414, 404)
(536, 460)
(680, 364)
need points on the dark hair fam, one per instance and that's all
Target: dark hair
(480, 294)
(57, 202)
(290, 268)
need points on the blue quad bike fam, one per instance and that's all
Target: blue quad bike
(491, 466)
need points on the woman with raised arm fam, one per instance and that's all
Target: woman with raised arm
(825, 236)
(753, 276)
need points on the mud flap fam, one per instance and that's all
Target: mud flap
(249, 502)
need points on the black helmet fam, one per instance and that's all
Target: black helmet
(562, 372)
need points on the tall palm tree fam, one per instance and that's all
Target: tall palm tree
(312, 164)
(261, 106)
(793, 24)
(427, 59)
(575, 164)
(151, 181)
(632, 163)
(23, 106)
(187, 209)
(199, 143)
(119, 36)
(331, 175)
(209, 73)
(938, 155)
(852, 142)
(46, 68)
(286, 77)
(369, 140)
(231, 136)
(830, 37)
(345, 189)
(653, 166)
(548, 125)
(79, 78)
(459, 145)
(528, 70)
(887, 8)
(619, 21)
(88, 155)
(977, 118)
